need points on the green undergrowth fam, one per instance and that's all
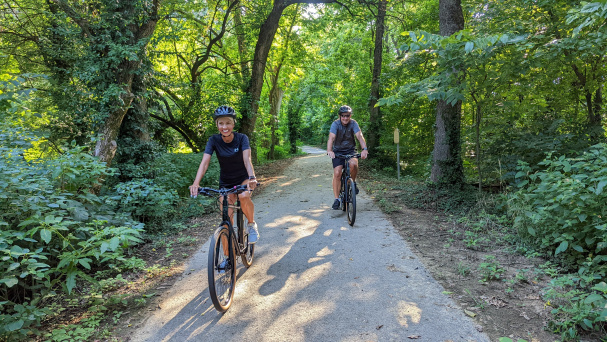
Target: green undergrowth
(556, 211)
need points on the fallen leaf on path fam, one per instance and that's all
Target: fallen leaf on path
(379, 327)
(470, 313)
(414, 337)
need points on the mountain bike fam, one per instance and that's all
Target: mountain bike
(347, 192)
(227, 243)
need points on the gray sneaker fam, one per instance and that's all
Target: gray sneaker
(253, 232)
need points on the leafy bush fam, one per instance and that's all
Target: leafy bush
(145, 200)
(562, 209)
(55, 232)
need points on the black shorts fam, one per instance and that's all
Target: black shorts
(231, 183)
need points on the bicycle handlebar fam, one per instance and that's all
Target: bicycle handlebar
(347, 156)
(223, 191)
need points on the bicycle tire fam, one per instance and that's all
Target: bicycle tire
(247, 251)
(342, 195)
(351, 202)
(221, 281)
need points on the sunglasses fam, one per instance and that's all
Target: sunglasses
(346, 115)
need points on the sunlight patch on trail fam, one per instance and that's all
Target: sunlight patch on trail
(408, 312)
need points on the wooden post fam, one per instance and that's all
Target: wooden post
(396, 141)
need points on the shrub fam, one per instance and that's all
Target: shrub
(54, 231)
(562, 209)
(145, 201)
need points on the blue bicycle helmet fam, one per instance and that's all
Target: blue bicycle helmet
(344, 109)
(224, 111)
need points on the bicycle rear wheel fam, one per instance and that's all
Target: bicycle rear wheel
(221, 269)
(351, 202)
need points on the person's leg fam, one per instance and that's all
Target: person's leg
(248, 209)
(337, 180)
(247, 206)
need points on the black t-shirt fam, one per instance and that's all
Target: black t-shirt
(231, 163)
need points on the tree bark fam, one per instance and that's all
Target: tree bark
(447, 166)
(375, 117)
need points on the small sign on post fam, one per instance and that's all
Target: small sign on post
(396, 141)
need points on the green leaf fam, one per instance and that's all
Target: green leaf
(520, 174)
(600, 186)
(104, 247)
(413, 36)
(70, 281)
(593, 298)
(531, 231)
(582, 217)
(561, 248)
(114, 242)
(15, 325)
(505, 339)
(10, 282)
(602, 286)
(45, 235)
(578, 248)
(85, 263)
(469, 47)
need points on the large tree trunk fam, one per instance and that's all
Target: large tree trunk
(447, 167)
(106, 146)
(375, 118)
(262, 49)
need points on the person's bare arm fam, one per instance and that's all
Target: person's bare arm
(330, 145)
(246, 155)
(202, 169)
(363, 144)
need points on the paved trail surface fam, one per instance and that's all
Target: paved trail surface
(314, 278)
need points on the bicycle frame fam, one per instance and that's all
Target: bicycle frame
(236, 240)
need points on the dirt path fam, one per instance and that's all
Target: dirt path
(314, 278)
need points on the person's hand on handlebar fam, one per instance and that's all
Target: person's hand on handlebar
(364, 154)
(194, 190)
(252, 184)
(331, 154)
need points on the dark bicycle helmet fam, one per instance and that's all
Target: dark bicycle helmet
(224, 111)
(344, 109)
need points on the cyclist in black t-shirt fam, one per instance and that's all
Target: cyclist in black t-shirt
(341, 140)
(234, 155)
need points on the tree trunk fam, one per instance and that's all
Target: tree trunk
(447, 167)
(276, 95)
(375, 118)
(595, 108)
(106, 146)
(260, 57)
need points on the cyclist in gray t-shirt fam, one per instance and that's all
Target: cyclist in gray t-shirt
(341, 141)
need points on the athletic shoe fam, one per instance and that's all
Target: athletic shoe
(221, 268)
(253, 233)
(336, 204)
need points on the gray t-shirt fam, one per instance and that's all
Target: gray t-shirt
(345, 136)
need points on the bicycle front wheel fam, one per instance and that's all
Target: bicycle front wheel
(342, 195)
(221, 269)
(351, 201)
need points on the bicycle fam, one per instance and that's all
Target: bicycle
(347, 192)
(227, 243)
